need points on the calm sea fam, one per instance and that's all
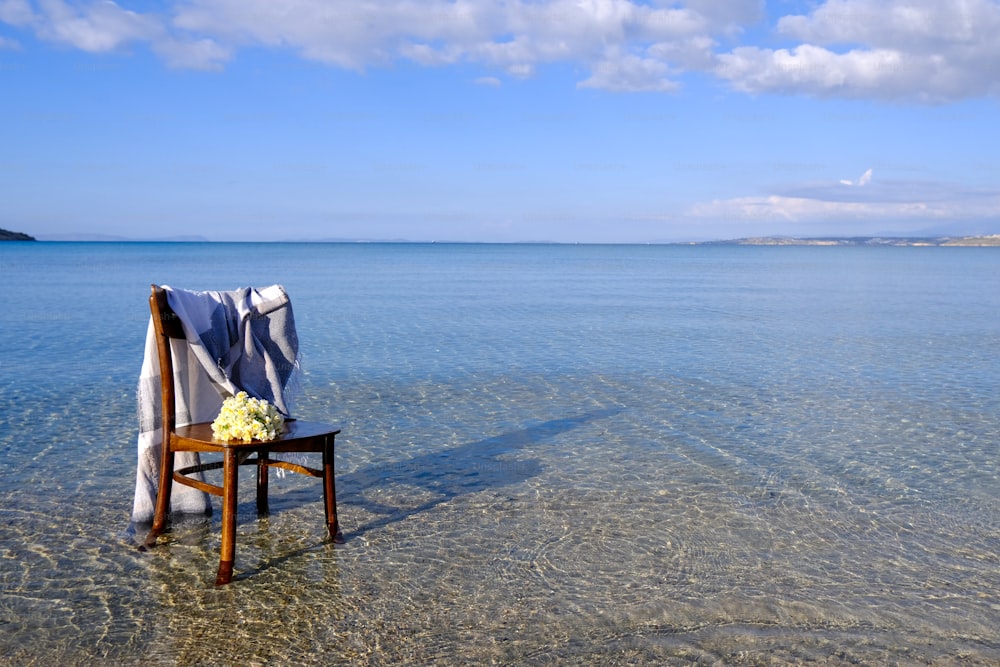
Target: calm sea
(551, 454)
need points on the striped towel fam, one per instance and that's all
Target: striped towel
(240, 340)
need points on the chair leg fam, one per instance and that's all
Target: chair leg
(262, 475)
(230, 482)
(162, 508)
(330, 493)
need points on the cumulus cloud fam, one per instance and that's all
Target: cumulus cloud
(817, 71)
(919, 50)
(16, 12)
(630, 73)
(906, 25)
(909, 50)
(626, 45)
(98, 27)
(104, 26)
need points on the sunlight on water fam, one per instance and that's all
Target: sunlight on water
(550, 455)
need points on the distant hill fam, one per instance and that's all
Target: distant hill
(980, 241)
(14, 236)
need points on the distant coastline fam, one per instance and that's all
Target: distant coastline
(968, 241)
(981, 240)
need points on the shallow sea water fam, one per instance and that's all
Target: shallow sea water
(550, 455)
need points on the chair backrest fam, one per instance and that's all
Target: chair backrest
(166, 325)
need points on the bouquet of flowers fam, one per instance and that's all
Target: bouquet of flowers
(244, 419)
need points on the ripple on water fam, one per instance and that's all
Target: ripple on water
(649, 456)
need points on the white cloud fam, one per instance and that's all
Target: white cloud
(869, 201)
(103, 26)
(349, 35)
(920, 50)
(805, 68)
(630, 73)
(97, 27)
(16, 12)
(864, 180)
(774, 208)
(908, 25)
(627, 45)
(907, 50)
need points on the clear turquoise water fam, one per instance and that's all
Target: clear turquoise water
(550, 455)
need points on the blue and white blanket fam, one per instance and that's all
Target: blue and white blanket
(240, 340)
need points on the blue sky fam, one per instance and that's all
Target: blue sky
(548, 120)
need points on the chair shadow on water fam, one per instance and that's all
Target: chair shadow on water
(447, 474)
(453, 472)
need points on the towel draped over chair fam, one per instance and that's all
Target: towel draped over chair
(239, 340)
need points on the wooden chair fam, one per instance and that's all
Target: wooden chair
(298, 436)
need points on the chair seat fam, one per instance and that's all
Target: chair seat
(199, 437)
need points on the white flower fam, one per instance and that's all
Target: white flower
(245, 419)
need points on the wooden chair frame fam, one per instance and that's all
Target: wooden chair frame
(298, 436)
